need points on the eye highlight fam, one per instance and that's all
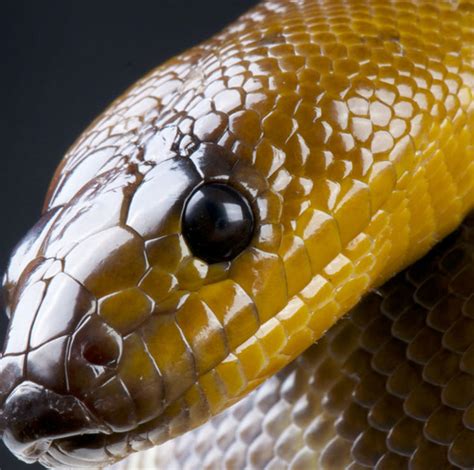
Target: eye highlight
(218, 222)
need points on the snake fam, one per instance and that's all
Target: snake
(261, 255)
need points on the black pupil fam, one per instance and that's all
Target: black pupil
(217, 222)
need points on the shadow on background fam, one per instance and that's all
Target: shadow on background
(63, 63)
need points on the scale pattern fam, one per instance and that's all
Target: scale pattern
(349, 126)
(390, 386)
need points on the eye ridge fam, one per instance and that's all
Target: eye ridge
(217, 221)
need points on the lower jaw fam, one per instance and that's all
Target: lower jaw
(82, 451)
(101, 449)
(31, 453)
(89, 450)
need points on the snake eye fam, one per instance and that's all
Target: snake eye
(218, 222)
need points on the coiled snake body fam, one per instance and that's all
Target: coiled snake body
(218, 218)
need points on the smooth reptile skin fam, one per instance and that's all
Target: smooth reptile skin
(390, 386)
(349, 125)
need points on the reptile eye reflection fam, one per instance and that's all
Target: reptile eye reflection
(218, 222)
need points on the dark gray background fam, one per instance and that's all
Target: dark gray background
(63, 62)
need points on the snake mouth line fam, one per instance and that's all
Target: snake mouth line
(33, 418)
(99, 448)
(106, 447)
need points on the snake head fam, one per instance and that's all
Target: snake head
(219, 217)
(126, 295)
(128, 299)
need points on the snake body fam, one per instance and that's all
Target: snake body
(348, 126)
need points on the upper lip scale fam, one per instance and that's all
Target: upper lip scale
(34, 450)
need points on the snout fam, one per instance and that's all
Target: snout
(33, 416)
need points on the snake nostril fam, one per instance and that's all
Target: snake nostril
(103, 354)
(95, 352)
